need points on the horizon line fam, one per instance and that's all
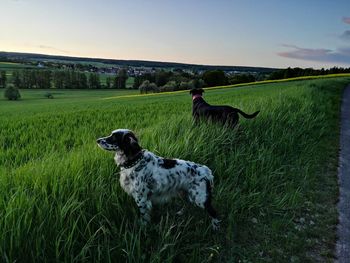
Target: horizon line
(134, 60)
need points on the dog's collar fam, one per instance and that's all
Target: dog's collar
(196, 96)
(134, 161)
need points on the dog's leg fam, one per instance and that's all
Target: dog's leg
(200, 194)
(144, 205)
(183, 197)
(232, 119)
(215, 222)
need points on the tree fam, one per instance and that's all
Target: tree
(43, 79)
(58, 79)
(137, 82)
(196, 84)
(120, 79)
(11, 92)
(147, 86)
(16, 79)
(82, 81)
(170, 86)
(94, 81)
(241, 78)
(3, 78)
(185, 85)
(214, 78)
(108, 82)
(162, 77)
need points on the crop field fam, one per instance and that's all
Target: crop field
(9, 67)
(12, 66)
(275, 176)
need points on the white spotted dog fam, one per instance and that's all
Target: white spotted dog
(151, 179)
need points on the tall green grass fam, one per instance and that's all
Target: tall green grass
(275, 178)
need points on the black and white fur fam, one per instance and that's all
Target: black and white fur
(151, 179)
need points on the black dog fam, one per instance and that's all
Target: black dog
(222, 114)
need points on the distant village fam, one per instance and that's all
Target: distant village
(131, 70)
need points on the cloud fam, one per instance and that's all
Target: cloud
(339, 55)
(346, 35)
(346, 20)
(50, 48)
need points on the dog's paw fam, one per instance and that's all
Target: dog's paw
(215, 223)
(180, 212)
(144, 221)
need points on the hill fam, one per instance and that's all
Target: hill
(132, 63)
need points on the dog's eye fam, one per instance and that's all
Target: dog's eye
(110, 139)
(113, 138)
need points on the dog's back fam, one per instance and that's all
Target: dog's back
(223, 114)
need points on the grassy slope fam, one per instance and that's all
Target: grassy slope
(275, 177)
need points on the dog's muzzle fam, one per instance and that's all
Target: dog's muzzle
(106, 146)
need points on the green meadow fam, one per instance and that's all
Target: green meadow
(9, 67)
(275, 176)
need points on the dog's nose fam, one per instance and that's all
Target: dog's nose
(98, 140)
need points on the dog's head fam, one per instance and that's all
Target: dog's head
(121, 140)
(196, 92)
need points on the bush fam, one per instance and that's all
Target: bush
(147, 87)
(214, 78)
(11, 92)
(170, 86)
(48, 95)
(185, 85)
(197, 84)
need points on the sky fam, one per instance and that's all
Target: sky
(269, 33)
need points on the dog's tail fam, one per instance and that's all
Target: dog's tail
(248, 116)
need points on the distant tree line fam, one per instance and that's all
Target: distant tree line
(180, 80)
(299, 72)
(62, 79)
(3, 78)
(161, 80)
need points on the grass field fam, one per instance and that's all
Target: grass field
(275, 176)
(12, 66)
(9, 67)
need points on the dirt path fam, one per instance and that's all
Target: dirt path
(343, 243)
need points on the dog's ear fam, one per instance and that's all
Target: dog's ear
(130, 144)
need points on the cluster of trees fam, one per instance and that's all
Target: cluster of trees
(299, 72)
(147, 86)
(241, 78)
(29, 79)
(45, 79)
(119, 81)
(180, 80)
(63, 79)
(219, 78)
(170, 81)
(11, 92)
(161, 81)
(3, 78)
